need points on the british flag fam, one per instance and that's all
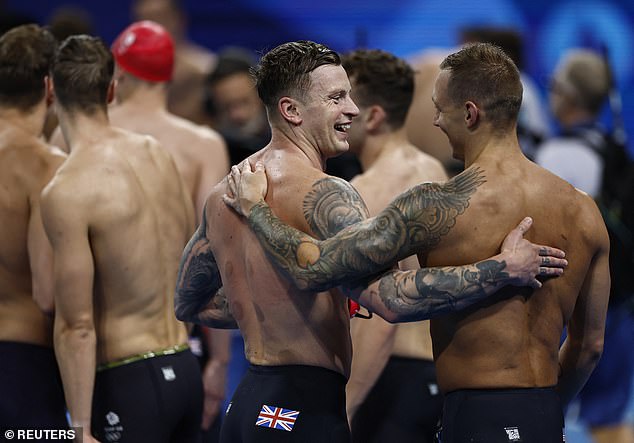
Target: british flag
(277, 418)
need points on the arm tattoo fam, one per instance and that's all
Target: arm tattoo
(429, 292)
(332, 205)
(414, 221)
(199, 298)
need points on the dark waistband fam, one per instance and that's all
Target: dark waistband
(398, 358)
(7, 345)
(494, 391)
(143, 356)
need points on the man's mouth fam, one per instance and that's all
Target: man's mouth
(342, 127)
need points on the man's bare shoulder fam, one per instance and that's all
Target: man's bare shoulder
(198, 134)
(28, 159)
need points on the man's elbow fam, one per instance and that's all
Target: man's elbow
(592, 352)
(394, 316)
(182, 313)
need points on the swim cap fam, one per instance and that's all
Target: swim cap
(145, 49)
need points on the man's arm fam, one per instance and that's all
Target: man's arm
(199, 295)
(585, 331)
(372, 344)
(415, 221)
(40, 260)
(39, 247)
(74, 333)
(215, 372)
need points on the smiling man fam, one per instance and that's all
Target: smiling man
(297, 341)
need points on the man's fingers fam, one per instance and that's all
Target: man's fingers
(525, 225)
(554, 252)
(232, 202)
(259, 166)
(549, 272)
(553, 262)
(231, 184)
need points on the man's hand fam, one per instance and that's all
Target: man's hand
(525, 260)
(246, 187)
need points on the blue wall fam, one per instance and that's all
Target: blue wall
(404, 27)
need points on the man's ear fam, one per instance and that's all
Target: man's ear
(289, 110)
(49, 93)
(374, 117)
(471, 114)
(111, 91)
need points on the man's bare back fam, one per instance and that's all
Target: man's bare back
(26, 165)
(280, 324)
(394, 171)
(127, 192)
(514, 342)
(200, 153)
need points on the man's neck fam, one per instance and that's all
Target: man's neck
(81, 129)
(31, 121)
(286, 138)
(489, 147)
(146, 98)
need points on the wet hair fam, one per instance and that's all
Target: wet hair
(285, 70)
(82, 71)
(26, 53)
(588, 74)
(381, 78)
(484, 74)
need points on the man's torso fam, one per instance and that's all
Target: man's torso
(512, 340)
(281, 325)
(139, 219)
(26, 164)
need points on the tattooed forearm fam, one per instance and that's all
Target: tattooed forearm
(413, 222)
(217, 313)
(199, 297)
(429, 292)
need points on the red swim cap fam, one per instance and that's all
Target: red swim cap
(145, 49)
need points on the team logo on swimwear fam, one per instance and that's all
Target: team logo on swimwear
(277, 418)
(513, 434)
(113, 419)
(168, 373)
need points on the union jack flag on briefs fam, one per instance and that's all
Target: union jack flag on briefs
(277, 418)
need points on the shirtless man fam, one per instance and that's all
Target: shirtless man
(381, 408)
(144, 55)
(117, 215)
(32, 393)
(298, 342)
(500, 365)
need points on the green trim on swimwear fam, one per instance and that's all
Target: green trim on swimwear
(143, 356)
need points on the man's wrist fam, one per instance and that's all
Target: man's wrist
(255, 207)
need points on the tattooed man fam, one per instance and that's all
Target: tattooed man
(499, 362)
(296, 339)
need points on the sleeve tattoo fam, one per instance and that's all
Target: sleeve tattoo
(414, 221)
(200, 297)
(429, 292)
